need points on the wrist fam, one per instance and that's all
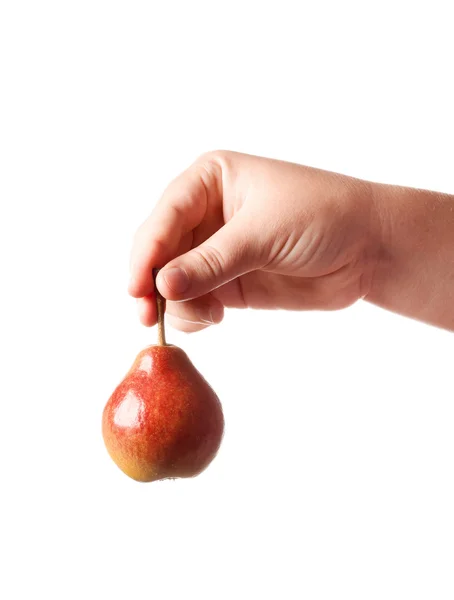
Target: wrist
(416, 246)
(386, 200)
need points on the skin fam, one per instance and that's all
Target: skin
(163, 420)
(241, 231)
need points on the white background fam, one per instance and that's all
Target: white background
(336, 475)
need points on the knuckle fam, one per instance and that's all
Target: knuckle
(157, 247)
(144, 246)
(211, 260)
(214, 169)
(213, 165)
(213, 156)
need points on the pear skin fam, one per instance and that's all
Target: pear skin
(163, 420)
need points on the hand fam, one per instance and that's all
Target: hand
(241, 231)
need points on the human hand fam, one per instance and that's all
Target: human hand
(240, 231)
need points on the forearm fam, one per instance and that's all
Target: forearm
(414, 274)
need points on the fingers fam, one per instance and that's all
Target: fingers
(146, 307)
(185, 316)
(185, 326)
(168, 230)
(232, 251)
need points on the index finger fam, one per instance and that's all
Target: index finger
(181, 208)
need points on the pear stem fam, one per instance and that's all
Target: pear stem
(160, 309)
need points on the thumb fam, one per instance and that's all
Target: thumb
(231, 252)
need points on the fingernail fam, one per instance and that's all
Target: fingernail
(176, 279)
(211, 316)
(205, 317)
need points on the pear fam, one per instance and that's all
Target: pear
(163, 421)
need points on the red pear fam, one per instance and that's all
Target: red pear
(163, 420)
